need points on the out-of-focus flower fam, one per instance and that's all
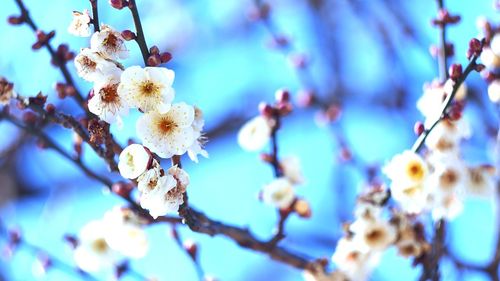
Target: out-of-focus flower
(149, 89)
(197, 147)
(92, 67)
(93, 253)
(133, 161)
(106, 103)
(279, 193)
(125, 233)
(255, 134)
(109, 43)
(446, 135)
(406, 168)
(170, 133)
(449, 175)
(352, 260)
(292, 169)
(494, 91)
(367, 211)
(481, 181)
(375, 235)
(448, 206)
(430, 104)
(495, 44)
(320, 275)
(6, 91)
(411, 198)
(489, 58)
(79, 26)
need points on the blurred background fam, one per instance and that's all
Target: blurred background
(369, 57)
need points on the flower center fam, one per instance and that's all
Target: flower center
(109, 94)
(100, 245)
(111, 42)
(149, 88)
(415, 171)
(88, 63)
(374, 235)
(166, 125)
(448, 179)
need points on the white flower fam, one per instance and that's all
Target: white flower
(352, 260)
(197, 147)
(375, 235)
(91, 66)
(292, 169)
(163, 194)
(6, 91)
(93, 253)
(79, 26)
(489, 58)
(407, 169)
(133, 161)
(447, 207)
(430, 103)
(481, 181)
(109, 43)
(149, 89)
(106, 103)
(125, 233)
(411, 198)
(170, 133)
(254, 134)
(494, 91)
(449, 175)
(279, 193)
(495, 44)
(410, 248)
(446, 135)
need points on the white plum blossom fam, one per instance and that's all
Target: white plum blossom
(481, 181)
(125, 233)
(149, 89)
(255, 134)
(79, 26)
(292, 169)
(93, 252)
(373, 234)
(407, 168)
(163, 193)
(197, 147)
(412, 199)
(495, 44)
(6, 91)
(446, 135)
(169, 133)
(494, 91)
(109, 43)
(447, 207)
(353, 261)
(278, 193)
(133, 161)
(430, 104)
(91, 66)
(489, 58)
(106, 102)
(449, 175)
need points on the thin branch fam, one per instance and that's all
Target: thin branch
(446, 104)
(60, 64)
(443, 55)
(141, 41)
(95, 15)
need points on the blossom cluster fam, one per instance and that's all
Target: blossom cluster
(255, 135)
(102, 243)
(439, 180)
(165, 129)
(371, 233)
(490, 57)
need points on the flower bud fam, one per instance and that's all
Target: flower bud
(282, 95)
(122, 189)
(418, 128)
(154, 60)
(302, 208)
(154, 50)
(455, 71)
(117, 4)
(15, 20)
(191, 248)
(128, 35)
(266, 110)
(165, 57)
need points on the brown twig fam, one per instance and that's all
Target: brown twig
(95, 15)
(60, 64)
(140, 39)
